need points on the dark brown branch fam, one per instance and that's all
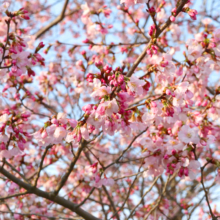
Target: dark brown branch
(41, 164)
(203, 185)
(15, 170)
(154, 182)
(55, 21)
(66, 175)
(57, 199)
(14, 195)
(39, 215)
(128, 194)
(158, 32)
(206, 194)
(111, 202)
(159, 200)
(124, 151)
(87, 197)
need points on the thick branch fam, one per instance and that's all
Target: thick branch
(57, 199)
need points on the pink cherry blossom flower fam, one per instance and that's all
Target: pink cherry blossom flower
(20, 59)
(9, 153)
(95, 120)
(193, 169)
(60, 133)
(86, 9)
(3, 119)
(70, 137)
(192, 13)
(61, 117)
(194, 49)
(4, 6)
(85, 133)
(3, 138)
(206, 21)
(110, 127)
(199, 37)
(108, 108)
(72, 122)
(216, 35)
(161, 16)
(87, 108)
(173, 144)
(188, 134)
(136, 85)
(131, 2)
(100, 91)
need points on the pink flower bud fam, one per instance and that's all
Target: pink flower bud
(173, 165)
(168, 92)
(83, 52)
(172, 18)
(54, 121)
(44, 134)
(153, 104)
(186, 171)
(173, 152)
(86, 41)
(174, 10)
(166, 157)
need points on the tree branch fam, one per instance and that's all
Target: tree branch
(143, 197)
(41, 164)
(55, 21)
(111, 202)
(65, 177)
(57, 199)
(158, 32)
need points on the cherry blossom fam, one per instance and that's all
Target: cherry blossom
(109, 110)
(188, 134)
(136, 85)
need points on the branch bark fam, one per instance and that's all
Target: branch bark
(55, 21)
(57, 199)
(65, 177)
(158, 32)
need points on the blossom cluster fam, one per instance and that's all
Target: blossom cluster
(110, 117)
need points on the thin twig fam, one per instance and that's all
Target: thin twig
(72, 164)
(41, 165)
(143, 196)
(54, 22)
(124, 151)
(159, 200)
(111, 202)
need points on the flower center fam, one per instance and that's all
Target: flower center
(189, 135)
